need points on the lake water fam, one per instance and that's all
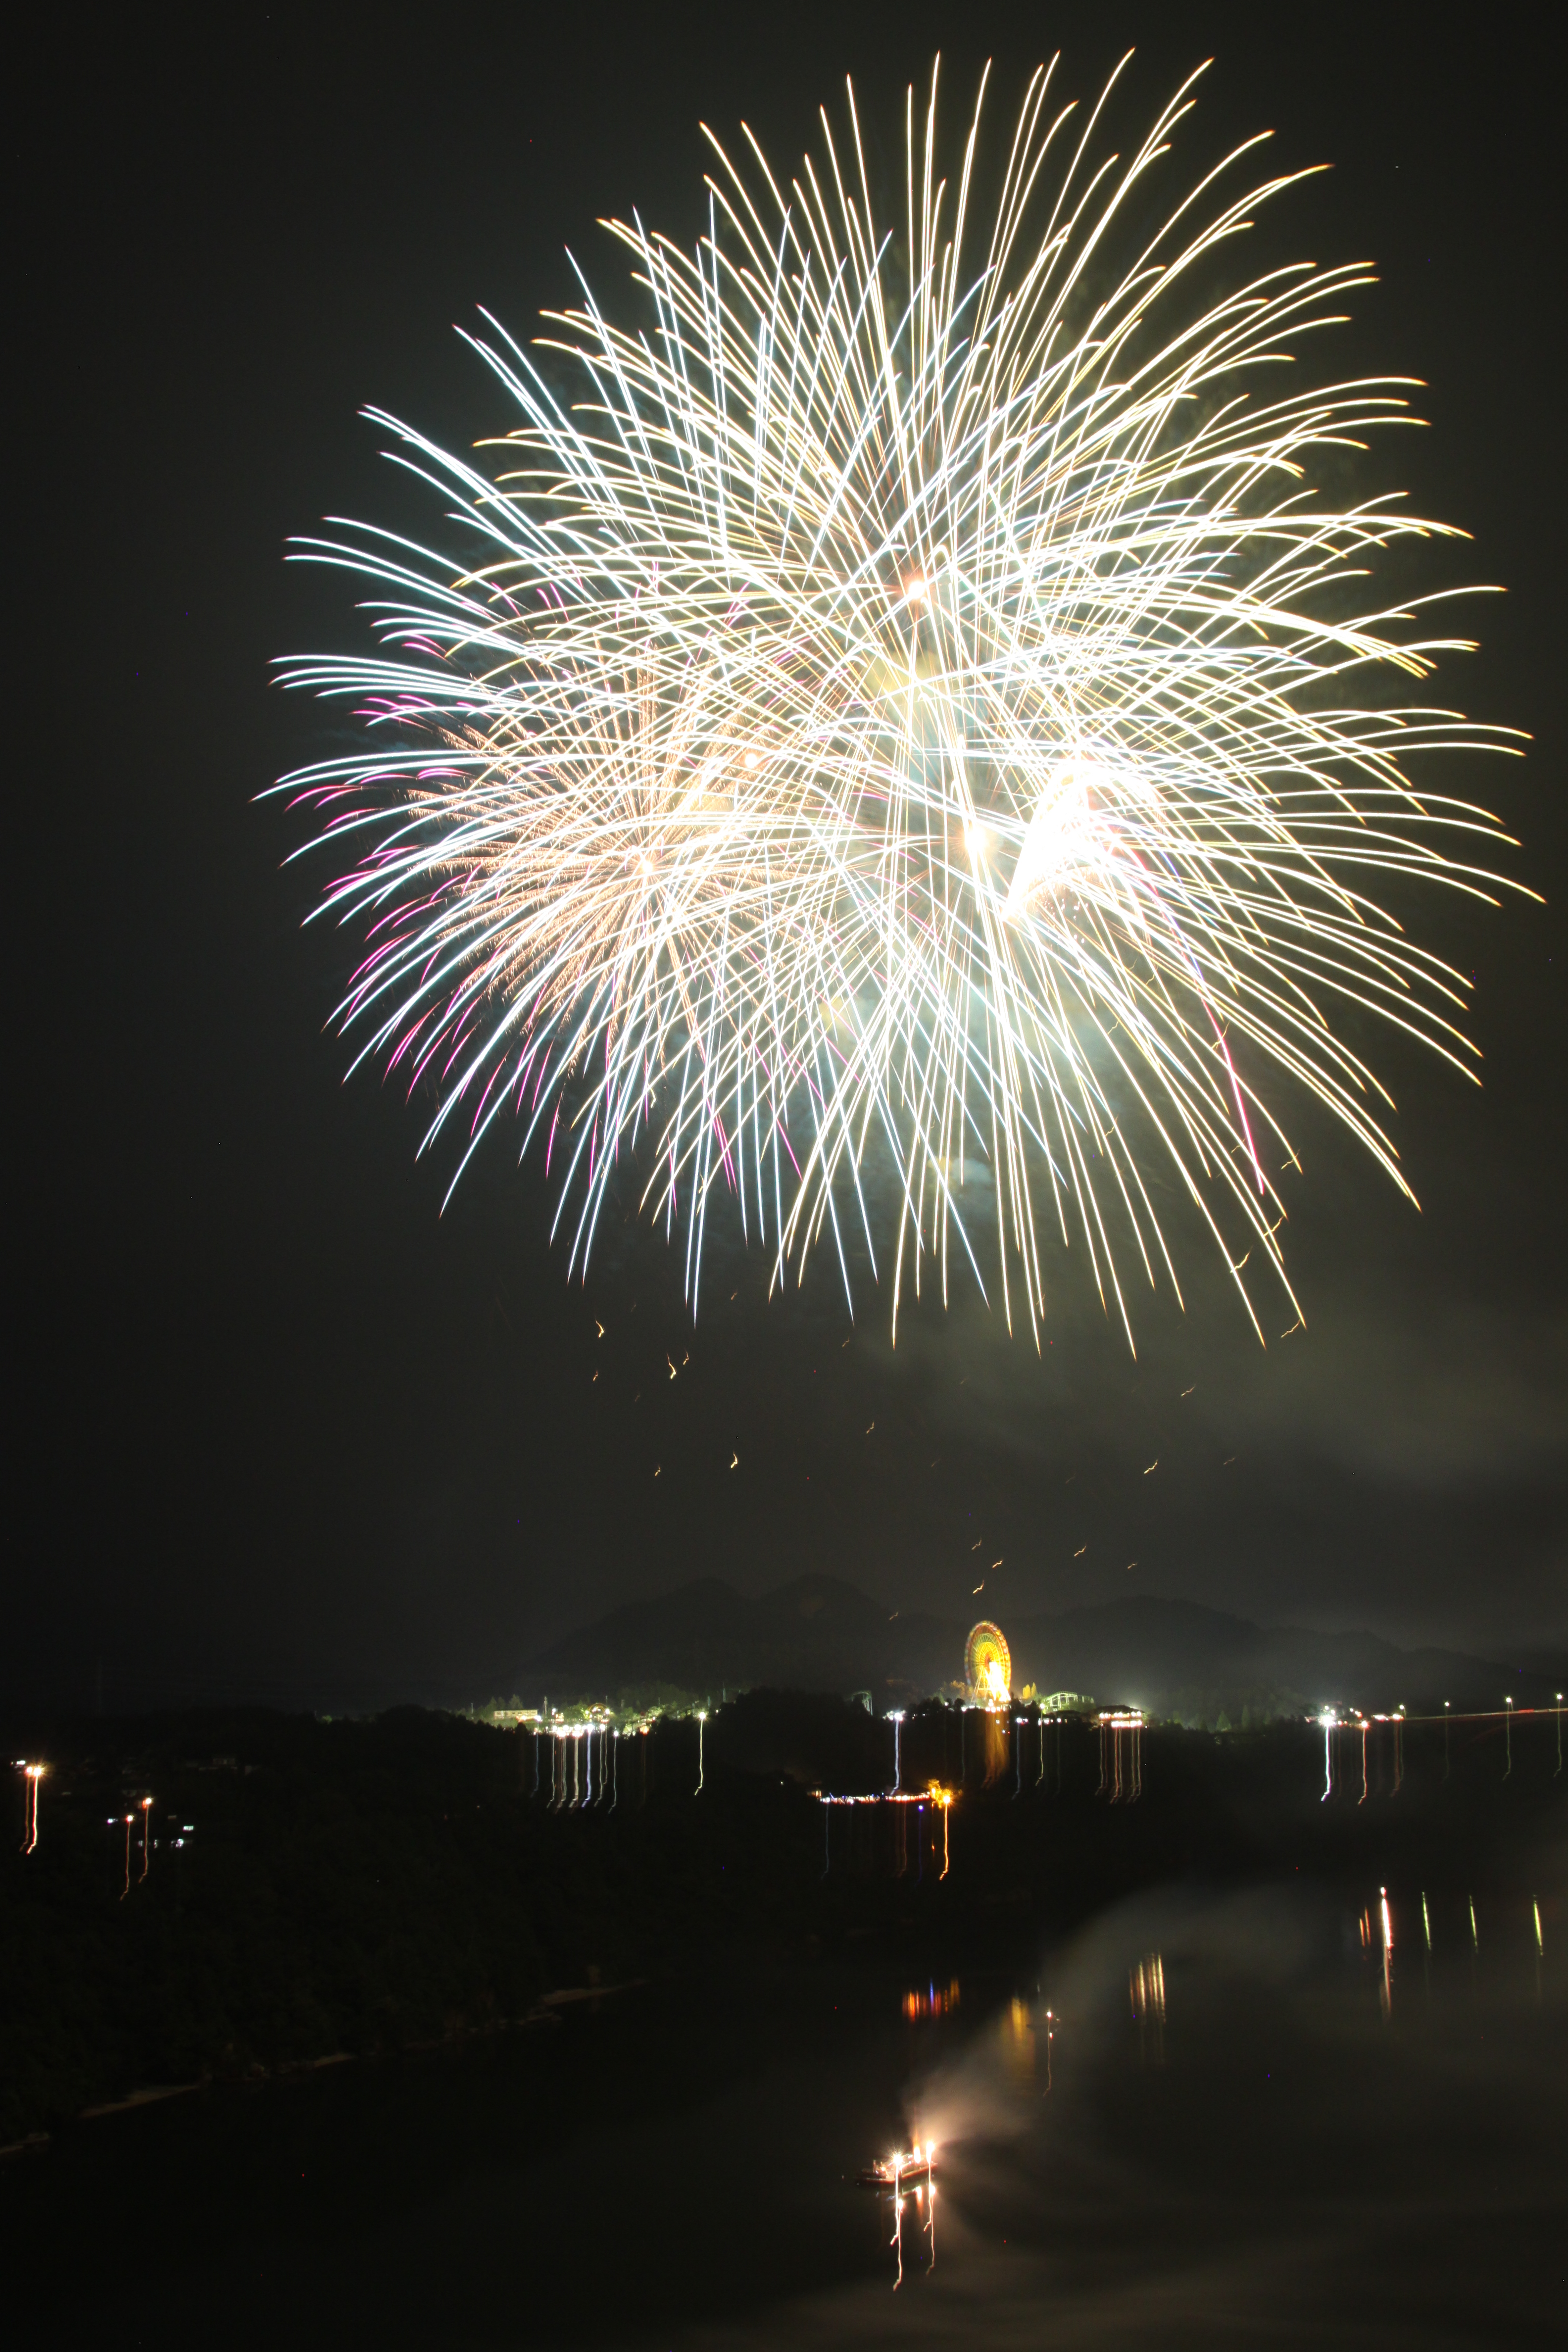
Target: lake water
(1247, 2120)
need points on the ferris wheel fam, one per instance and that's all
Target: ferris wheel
(988, 1664)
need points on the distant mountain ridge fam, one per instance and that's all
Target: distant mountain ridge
(1172, 1657)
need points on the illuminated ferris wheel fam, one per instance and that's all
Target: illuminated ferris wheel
(988, 1664)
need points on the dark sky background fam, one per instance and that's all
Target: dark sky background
(282, 1428)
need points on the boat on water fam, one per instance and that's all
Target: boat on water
(895, 2174)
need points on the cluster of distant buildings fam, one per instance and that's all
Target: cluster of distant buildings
(986, 1682)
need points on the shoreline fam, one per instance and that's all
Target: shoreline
(545, 2011)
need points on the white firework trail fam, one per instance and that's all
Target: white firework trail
(890, 729)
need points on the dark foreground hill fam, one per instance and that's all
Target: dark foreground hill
(1174, 1658)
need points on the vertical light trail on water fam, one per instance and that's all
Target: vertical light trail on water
(898, 2237)
(32, 1774)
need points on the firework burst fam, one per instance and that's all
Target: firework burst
(895, 727)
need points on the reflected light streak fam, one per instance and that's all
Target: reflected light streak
(934, 1795)
(900, 2176)
(897, 2239)
(32, 1775)
(935, 2001)
(1116, 1725)
(1146, 1991)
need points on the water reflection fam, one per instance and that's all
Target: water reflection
(906, 2179)
(1319, 2147)
(931, 2000)
(1146, 1990)
(885, 1836)
(1309, 2158)
(1018, 2040)
(1377, 1935)
(1120, 1756)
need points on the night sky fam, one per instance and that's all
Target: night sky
(284, 1430)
